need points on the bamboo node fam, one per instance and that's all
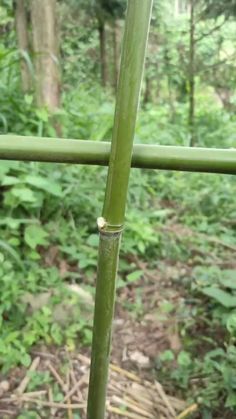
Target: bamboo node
(107, 228)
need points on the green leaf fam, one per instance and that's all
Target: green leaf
(42, 114)
(56, 334)
(231, 400)
(231, 323)
(184, 359)
(93, 240)
(5, 246)
(167, 356)
(26, 360)
(218, 352)
(4, 122)
(120, 283)
(28, 99)
(134, 276)
(224, 298)
(228, 278)
(4, 167)
(27, 58)
(23, 194)
(46, 185)
(14, 223)
(10, 180)
(12, 337)
(35, 235)
(167, 307)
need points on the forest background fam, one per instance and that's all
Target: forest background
(59, 65)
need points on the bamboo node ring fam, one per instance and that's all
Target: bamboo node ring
(106, 228)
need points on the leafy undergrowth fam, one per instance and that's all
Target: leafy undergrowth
(180, 301)
(177, 268)
(164, 328)
(176, 286)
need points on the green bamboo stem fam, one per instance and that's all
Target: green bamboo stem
(103, 315)
(144, 156)
(111, 224)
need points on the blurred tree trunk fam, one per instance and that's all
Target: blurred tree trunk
(116, 52)
(168, 72)
(23, 42)
(46, 53)
(176, 8)
(147, 92)
(103, 54)
(192, 75)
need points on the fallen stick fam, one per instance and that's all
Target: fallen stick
(84, 359)
(52, 404)
(70, 414)
(50, 399)
(57, 377)
(125, 373)
(43, 354)
(140, 398)
(188, 411)
(164, 398)
(74, 382)
(129, 404)
(35, 393)
(24, 383)
(123, 413)
(74, 389)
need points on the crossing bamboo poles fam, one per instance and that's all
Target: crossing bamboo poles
(111, 223)
(190, 159)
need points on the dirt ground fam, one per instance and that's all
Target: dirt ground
(139, 335)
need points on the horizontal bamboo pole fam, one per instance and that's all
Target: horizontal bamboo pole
(209, 160)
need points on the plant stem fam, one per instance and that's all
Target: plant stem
(192, 75)
(111, 224)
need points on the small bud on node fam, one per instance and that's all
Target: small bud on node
(101, 222)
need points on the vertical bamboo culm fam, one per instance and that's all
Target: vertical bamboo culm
(111, 223)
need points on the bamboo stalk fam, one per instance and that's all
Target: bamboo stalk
(111, 224)
(144, 156)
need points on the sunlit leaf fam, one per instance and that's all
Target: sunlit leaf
(223, 297)
(35, 235)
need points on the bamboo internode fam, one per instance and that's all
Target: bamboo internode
(209, 160)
